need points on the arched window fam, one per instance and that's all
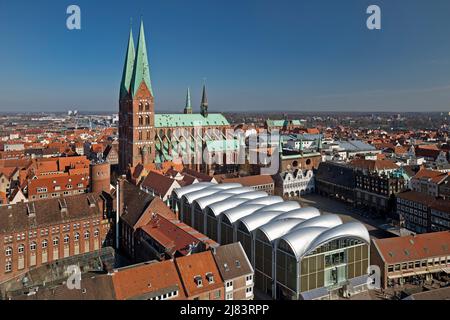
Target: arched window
(140, 120)
(44, 244)
(147, 120)
(55, 241)
(140, 135)
(148, 135)
(8, 251)
(8, 266)
(140, 106)
(21, 248)
(77, 236)
(147, 106)
(66, 238)
(86, 235)
(96, 233)
(33, 246)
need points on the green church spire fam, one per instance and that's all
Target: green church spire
(188, 107)
(127, 67)
(141, 70)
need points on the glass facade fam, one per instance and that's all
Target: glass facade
(211, 227)
(246, 240)
(226, 231)
(198, 218)
(263, 262)
(330, 265)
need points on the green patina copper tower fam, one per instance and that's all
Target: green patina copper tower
(146, 137)
(188, 107)
(136, 111)
(127, 68)
(141, 69)
(204, 104)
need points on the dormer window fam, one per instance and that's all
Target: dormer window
(198, 281)
(210, 277)
(238, 264)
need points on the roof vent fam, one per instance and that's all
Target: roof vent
(62, 205)
(91, 200)
(198, 281)
(31, 209)
(210, 277)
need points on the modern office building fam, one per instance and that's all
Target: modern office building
(296, 253)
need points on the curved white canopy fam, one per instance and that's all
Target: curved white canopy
(191, 188)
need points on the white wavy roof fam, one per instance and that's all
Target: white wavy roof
(191, 188)
(209, 190)
(218, 207)
(303, 229)
(219, 196)
(305, 240)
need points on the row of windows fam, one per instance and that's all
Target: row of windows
(56, 194)
(141, 107)
(44, 243)
(419, 264)
(148, 135)
(413, 211)
(44, 232)
(442, 222)
(422, 222)
(412, 204)
(441, 214)
(165, 296)
(141, 120)
(263, 186)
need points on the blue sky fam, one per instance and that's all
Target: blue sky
(299, 55)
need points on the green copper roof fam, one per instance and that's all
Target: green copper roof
(127, 68)
(141, 70)
(222, 145)
(281, 123)
(189, 120)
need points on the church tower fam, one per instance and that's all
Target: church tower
(188, 107)
(204, 103)
(136, 107)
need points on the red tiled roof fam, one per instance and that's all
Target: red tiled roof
(174, 237)
(374, 164)
(250, 181)
(410, 248)
(146, 279)
(198, 264)
(157, 182)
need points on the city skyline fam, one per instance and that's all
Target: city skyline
(302, 56)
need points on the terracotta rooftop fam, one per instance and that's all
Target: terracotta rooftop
(232, 261)
(157, 182)
(199, 265)
(374, 165)
(250, 181)
(175, 237)
(410, 248)
(149, 279)
(47, 212)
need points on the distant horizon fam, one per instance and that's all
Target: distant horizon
(257, 55)
(280, 113)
